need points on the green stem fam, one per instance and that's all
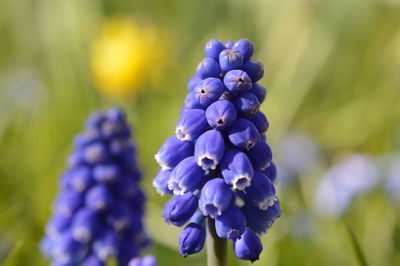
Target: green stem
(357, 247)
(216, 247)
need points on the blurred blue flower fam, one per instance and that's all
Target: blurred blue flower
(219, 161)
(298, 154)
(392, 176)
(353, 174)
(98, 214)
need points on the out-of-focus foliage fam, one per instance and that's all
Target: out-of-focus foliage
(331, 69)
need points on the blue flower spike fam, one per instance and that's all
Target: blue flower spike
(98, 214)
(218, 167)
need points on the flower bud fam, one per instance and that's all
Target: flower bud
(229, 44)
(57, 225)
(186, 176)
(85, 225)
(105, 173)
(231, 224)
(270, 172)
(160, 182)
(80, 179)
(99, 198)
(245, 47)
(192, 101)
(193, 81)
(259, 91)
(208, 91)
(68, 202)
(260, 121)
(221, 114)
(93, 260)
(260, 155)
(237, 169)
(248, 247)
(255, 70)
(180, 208)
(208, 68)
(209, 149)
(191, 239)
(213, 48)
(258, 220)
(261, 193)
(191, 125)
(106, 244)
(95, 153)
(247, 104)
(237, 81)
(215, 197)
(173, 151)
(243, 134)
(230, 59)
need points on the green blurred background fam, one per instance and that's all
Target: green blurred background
(332, 73)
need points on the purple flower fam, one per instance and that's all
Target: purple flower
(230, 59)
(213, 48)
(270, 172)
(259, 220)
(191, 239)
(259, 91)
(231, 224)
(186, 176)
(208, 91)
(260, 155)
(209, 149)
(254, 69)
(160, 182)
(173, 151)
(215, 197)
(225, 172)
(221, 114)
(247, 104)
(237, 81)
(243, 134)
(261, 193)
(208, 68)
(191, 124)
(260, 121)
(236, 169)
(98, 214)
(245, 48)
(248, 247)
(180, 208)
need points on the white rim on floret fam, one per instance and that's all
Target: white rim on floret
(268, 202)
(241, 185)
(106, 252)
(176, 187)
(82, 234)
(265, 166)
(163, 165)
(182, 134)
(158, 187)
(214, 207)
(209, 157)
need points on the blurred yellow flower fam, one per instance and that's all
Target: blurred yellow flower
(122, 57)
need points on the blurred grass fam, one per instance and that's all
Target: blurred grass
(331, 69)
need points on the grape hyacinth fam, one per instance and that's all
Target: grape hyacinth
(98, 213)
(218, 164)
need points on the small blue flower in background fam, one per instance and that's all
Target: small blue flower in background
(218, 164)
(350, 176)
(298, 154)
(98, 213)
(392, 176)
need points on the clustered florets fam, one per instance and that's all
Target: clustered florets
(219, 160)
(98, 213)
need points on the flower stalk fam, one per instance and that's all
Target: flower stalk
(216, 246)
